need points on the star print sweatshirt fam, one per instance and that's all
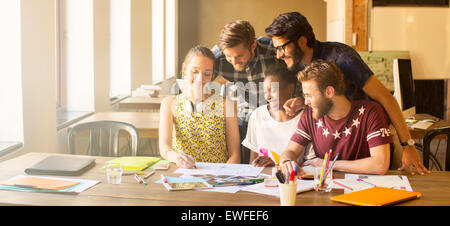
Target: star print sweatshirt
(363, 128)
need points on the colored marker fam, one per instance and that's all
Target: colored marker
(344, 186)
(149, 174)
(164, 179)
(139, 179)
(366, 182)
(291, 180)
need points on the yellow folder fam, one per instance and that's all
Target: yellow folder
(134, 163)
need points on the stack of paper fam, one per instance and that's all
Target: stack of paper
(47, 184)
(357, 182)
(302, 186)
(204, 168)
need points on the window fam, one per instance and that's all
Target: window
(11, 114)
(164, 39)
(75, 55)
(120, 47)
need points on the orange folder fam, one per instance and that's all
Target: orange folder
(376, 196)
(40, 183)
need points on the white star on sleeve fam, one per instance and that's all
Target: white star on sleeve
(319, 124)
(361, 110)
(336, 135)
(347, 131)
(325, 132)
(356, 122)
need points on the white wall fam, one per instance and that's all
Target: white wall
(39, 75)
(339, 21)
(423, 31)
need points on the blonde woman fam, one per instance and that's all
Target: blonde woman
(197, 125)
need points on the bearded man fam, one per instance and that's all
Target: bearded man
(356, 129)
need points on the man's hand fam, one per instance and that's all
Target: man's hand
(315, 162)
(411, 160)
(294, 105)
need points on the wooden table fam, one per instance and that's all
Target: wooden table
(434, 187)
(147, 123)
(138, 103)
(420, 133)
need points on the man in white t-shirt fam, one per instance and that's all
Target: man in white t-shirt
(269, 126)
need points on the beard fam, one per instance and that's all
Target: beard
(322, 108)
(297, 55)
(241, 67)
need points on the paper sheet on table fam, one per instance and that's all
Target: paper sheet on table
(181, 180)
(225, 189)
(302, 186)
(204, 168)
(234, 189)
(83, 184)
(308, 169)
(387, 181)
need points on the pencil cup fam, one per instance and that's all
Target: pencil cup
(114, 173)
(322, 184)
(288, 194)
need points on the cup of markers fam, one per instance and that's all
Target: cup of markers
(287, 187)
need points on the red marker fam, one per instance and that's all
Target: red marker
(291, 179)
(164, 179)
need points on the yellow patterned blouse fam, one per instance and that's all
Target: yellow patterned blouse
(200, 131)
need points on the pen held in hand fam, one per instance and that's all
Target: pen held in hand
(190, 158)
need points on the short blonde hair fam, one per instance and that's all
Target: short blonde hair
(325, 74)
(236, 32)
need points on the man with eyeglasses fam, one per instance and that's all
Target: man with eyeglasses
(295, 42)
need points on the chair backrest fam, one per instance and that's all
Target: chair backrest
(427, 145)
(104, 137)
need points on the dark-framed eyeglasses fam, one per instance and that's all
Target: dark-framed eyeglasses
(281, 48)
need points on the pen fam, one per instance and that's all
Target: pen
(253, 180)
(232, 184)
(164, 179)
(365, 182)
(332, 165)
(189, 157)
(149, 174)
(346, 187)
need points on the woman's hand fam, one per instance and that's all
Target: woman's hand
(263, 161)
(182, 160)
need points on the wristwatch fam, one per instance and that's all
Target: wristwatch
(409, 142)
